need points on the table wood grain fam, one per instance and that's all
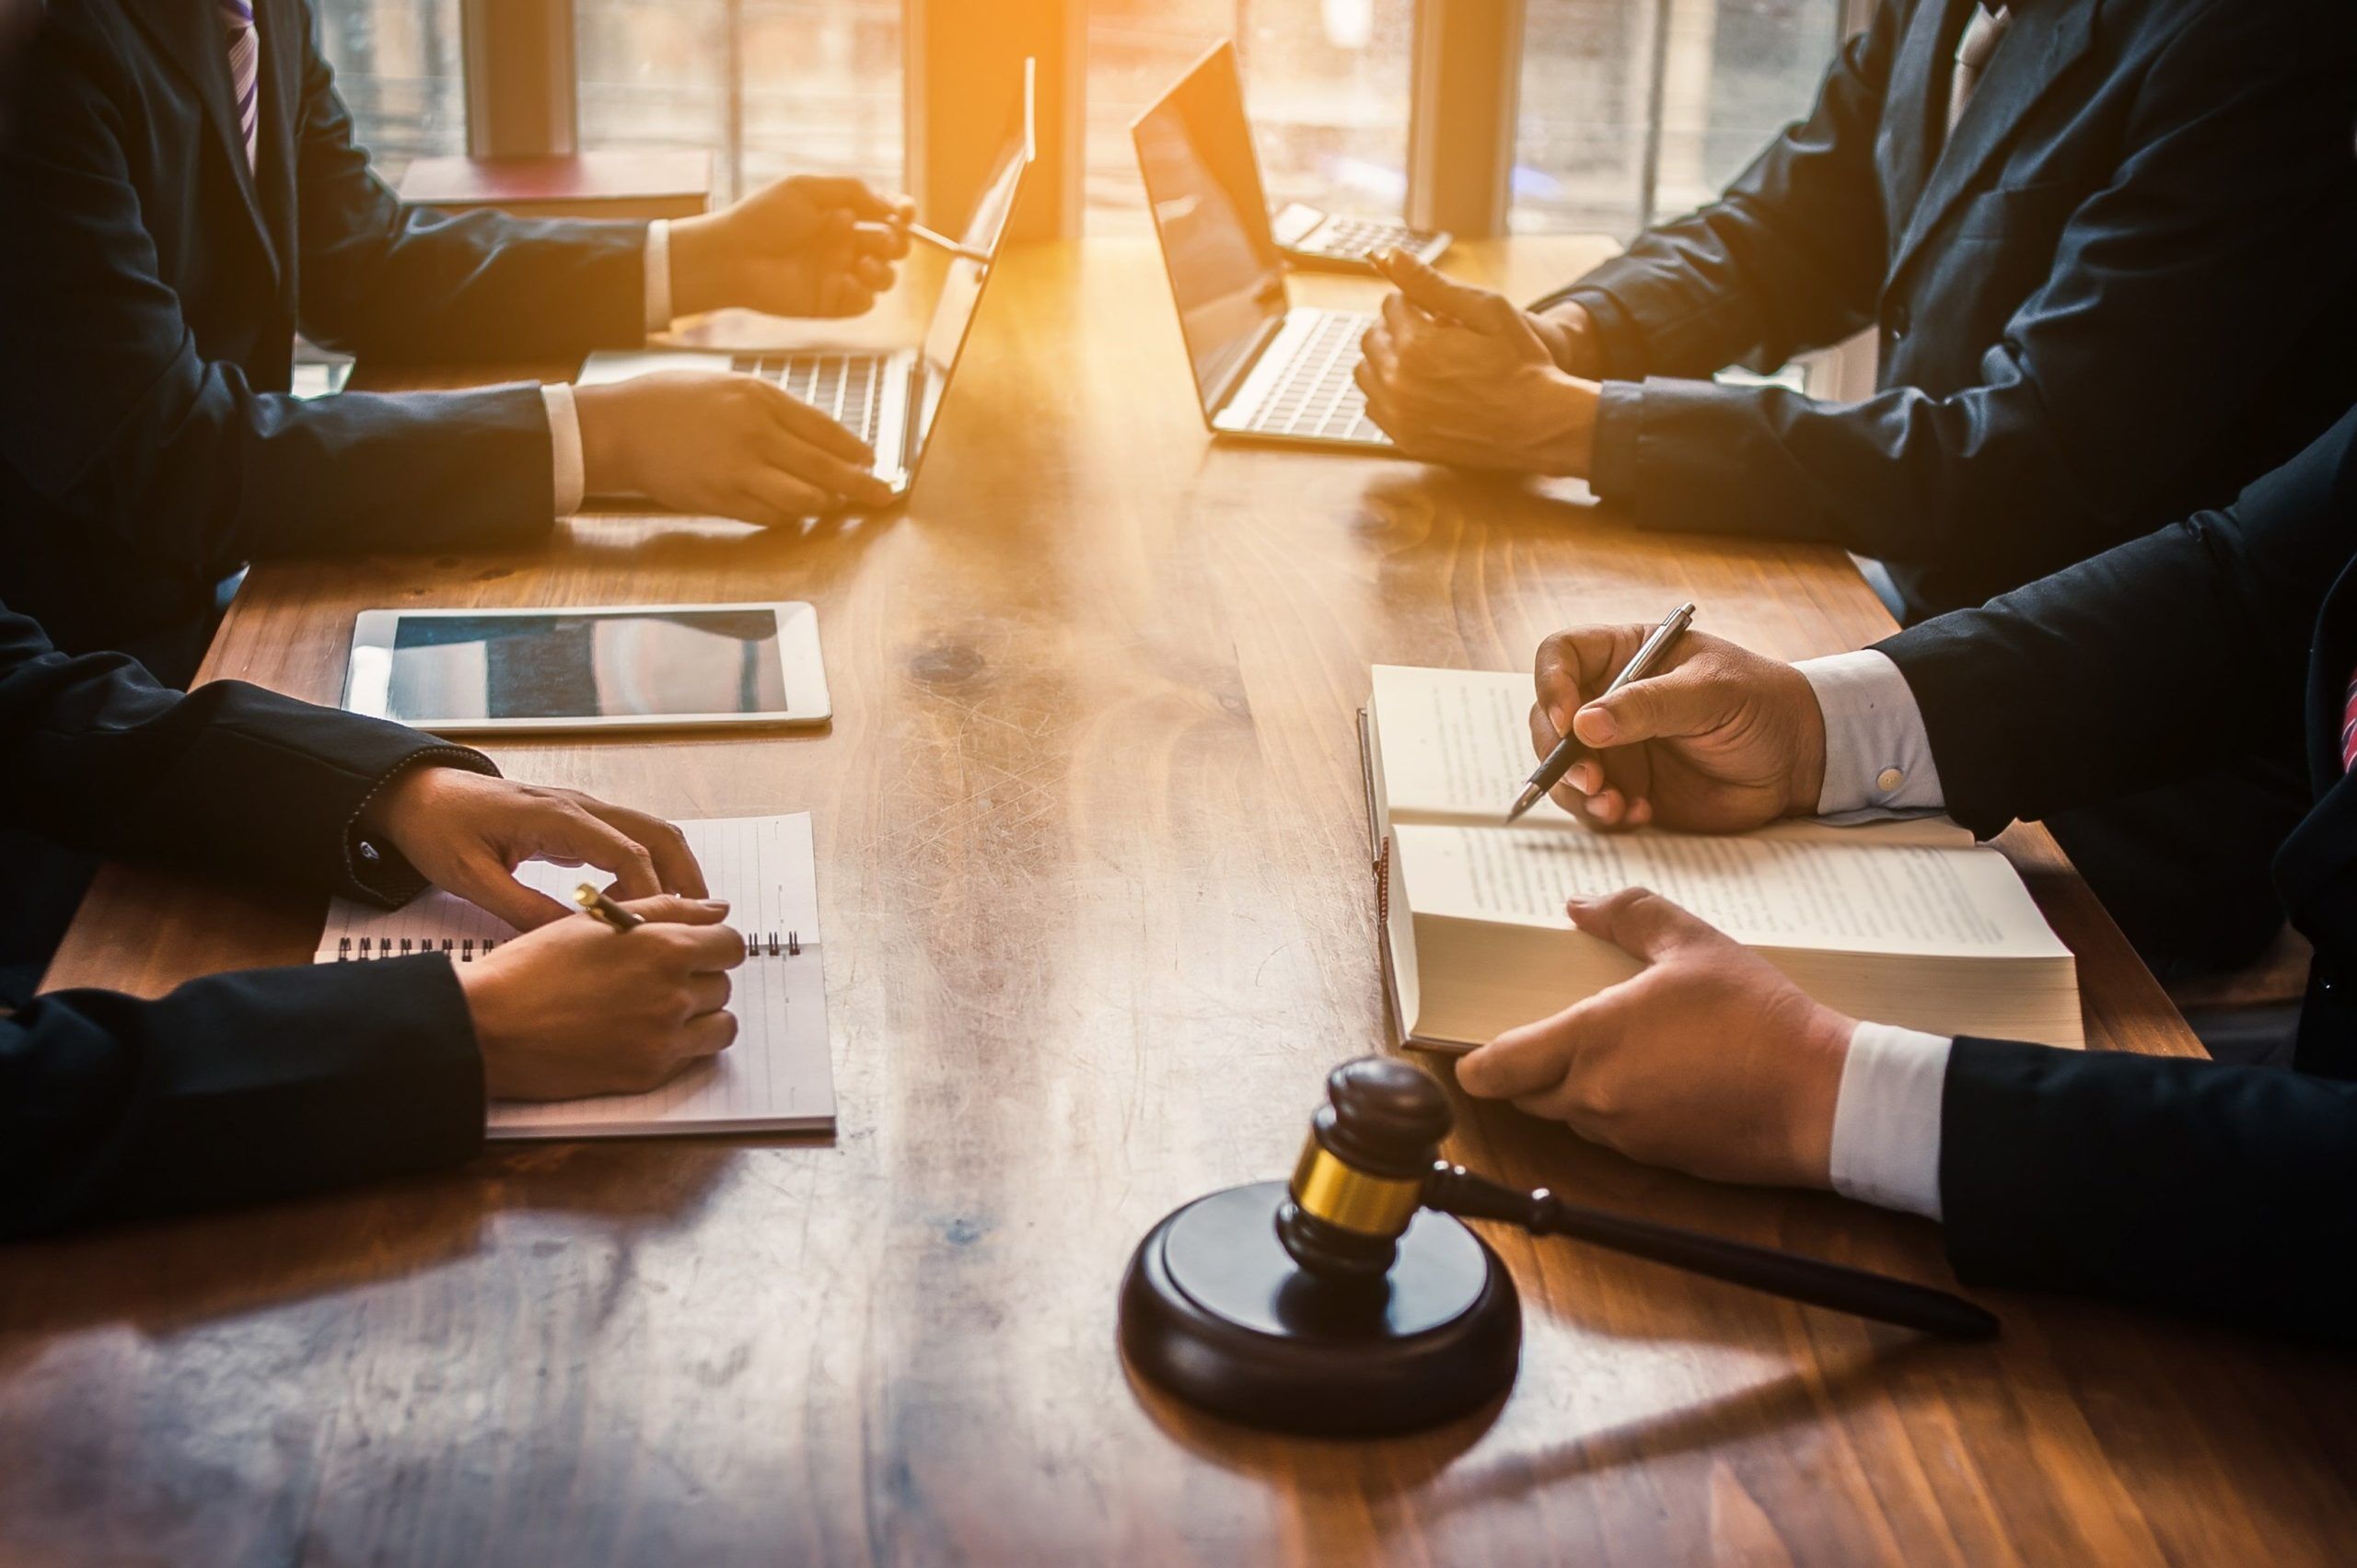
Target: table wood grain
(1098, 918)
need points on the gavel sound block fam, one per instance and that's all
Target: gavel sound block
(1335, 1304)
(1352, 1302)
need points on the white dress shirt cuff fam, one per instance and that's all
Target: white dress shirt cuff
(1887, 1119)
(564, 442)
(1877, 757)
(659, 275)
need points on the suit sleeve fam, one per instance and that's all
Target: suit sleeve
(238, 1087)
(111, 413)
(414, 284)
(2146, 663)
(229, 777)
(2226, 1192)
(234, 1088)
(2191, 276)
(1788, 259)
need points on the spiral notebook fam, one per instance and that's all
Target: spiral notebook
(776, 1077)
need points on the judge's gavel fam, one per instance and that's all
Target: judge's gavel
(1351, 1301)
(1371, 1163)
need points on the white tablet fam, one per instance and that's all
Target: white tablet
(620, 667)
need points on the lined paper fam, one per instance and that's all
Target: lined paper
(776, 1077)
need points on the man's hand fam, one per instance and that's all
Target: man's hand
(1708, 1061)
(1717, 740)
(576, 1008)
(1458, 375)
(1570, 336)
(810, 245)
(723, 445)
(468, 833)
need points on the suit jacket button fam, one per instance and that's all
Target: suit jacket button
(1900, 320)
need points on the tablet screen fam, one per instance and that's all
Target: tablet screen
(586, 664)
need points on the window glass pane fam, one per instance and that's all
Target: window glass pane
(771, 87)
(397, 65)
(1325, 80)
(1595, 113)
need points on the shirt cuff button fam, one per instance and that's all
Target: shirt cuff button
(1888, 780)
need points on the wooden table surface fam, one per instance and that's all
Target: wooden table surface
(1098, 918)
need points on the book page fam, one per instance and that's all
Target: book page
(777, 1075)
(1761, 891)
(1454, 747)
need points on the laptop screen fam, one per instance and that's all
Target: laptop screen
(962, 278)
(1203, 183)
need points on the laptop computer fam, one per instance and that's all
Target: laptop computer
(887, 398)
(1314, 239)
(1265, 368)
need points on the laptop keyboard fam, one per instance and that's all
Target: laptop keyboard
(1315, 396)
(847, 388)
(1358, 239)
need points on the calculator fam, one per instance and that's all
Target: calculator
(1312, 237)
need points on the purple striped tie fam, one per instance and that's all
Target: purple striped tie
(245, 68)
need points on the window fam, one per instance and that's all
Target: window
(771, 87)
(1632, 109)
(1327, 81)
(1627, 109)
(397, 65)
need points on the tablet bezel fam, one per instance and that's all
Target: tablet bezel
(368, 671)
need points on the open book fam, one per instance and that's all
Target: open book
(1902, 922)
(775, 1077)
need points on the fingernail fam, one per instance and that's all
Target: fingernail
(718, 906)
(1594, 727)
(1562, 719)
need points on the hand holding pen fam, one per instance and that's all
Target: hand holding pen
(1711, 739)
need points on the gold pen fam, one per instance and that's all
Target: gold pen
(599, 907)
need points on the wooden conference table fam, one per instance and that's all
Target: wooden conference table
(1098, 919)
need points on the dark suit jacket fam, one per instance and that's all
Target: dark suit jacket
(241, 1085)
(2120, 292)
(2228, 1191)
(147, 445)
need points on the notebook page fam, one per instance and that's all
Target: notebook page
(776, 1075)
(1455, 749)
(1761, 891)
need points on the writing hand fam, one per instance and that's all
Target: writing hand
(1717, 740)
(576, 1008)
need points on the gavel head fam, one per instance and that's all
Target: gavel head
(1361, 1177)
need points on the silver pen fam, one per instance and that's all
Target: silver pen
(1568, 749)
(942, 241)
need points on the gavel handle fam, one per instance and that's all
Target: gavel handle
(1453, 1190)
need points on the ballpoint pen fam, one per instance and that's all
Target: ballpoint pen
(600, 907)
(1570, 749)
(918, 231)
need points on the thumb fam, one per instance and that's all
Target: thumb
(1669, 706)
(1643, 924)
(670, 909)
(1461, 303)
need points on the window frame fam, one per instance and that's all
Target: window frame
(522, 99)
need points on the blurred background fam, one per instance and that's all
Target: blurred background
(1626, 109)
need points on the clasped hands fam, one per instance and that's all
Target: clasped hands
(737, 445)
(1455, 374)
(1708, 1060)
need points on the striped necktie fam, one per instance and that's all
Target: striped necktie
(2348, 729)
(1982, 36)
(245, 68)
